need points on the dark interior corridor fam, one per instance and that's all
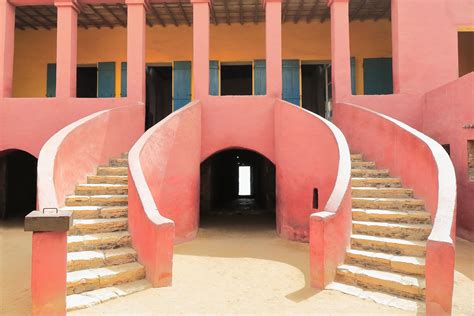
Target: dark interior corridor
(17, 184)
(237, 182)
(314, 88)
(236, 79)
(159, 94)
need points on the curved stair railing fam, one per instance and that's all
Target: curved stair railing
(425, 167)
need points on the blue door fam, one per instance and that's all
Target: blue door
(259, 78)
(213, 77)
(291, 81)
(182, 84)
(51, 80)
(353, 76)
(378, 76)
(106, 80)
(123, 80)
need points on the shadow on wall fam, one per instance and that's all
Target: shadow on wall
(18, 172)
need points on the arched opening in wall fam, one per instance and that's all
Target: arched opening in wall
(465, 52)
(237, 185)
(370, 31)
(17, 184)
(34, 66)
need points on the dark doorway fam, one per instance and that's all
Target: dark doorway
(17, 184)
(314, 88)
(236, 79)
(159, 94)
(87, 82)
(465, 52)
(237, 182)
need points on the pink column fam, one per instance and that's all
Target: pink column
(66, 48)
(340, 49)
(136, 45)
(273, 47)
(7, 41)
(48, 273)
(200, 48)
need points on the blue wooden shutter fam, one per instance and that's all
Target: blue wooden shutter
(291, 81)
(260, 78)
(213, 77)
(51, 80)
(106, 80)
(182, 84)
(353, 76)
(378, 76)
(123, 80)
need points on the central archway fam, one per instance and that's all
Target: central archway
(237, 183)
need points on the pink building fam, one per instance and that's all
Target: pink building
(338, 109)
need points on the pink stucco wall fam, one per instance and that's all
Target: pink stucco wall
(446, 110)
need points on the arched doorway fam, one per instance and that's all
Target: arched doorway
(17, 183)
(237, 183)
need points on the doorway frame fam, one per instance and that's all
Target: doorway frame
(327, 67)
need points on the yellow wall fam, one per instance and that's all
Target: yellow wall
(35, 49)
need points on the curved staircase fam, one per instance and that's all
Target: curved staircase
(390, 227)
(101, 264)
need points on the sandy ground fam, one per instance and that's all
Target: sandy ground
(232, 267)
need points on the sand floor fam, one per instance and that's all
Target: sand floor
(232, 267)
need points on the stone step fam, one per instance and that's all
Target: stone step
(392, 230)
(388, 282)
(89, 212)
(97, 225)
(389, 203)
(101, 189)
(380, 298)
(112, 171)
(370, 173)
(382, 192)
(107, 179)
(363, 165)
(386, 262)
(93, 279)
(118, 162)
(391, 216)
(96, 200)
(81, 260)
(389, 245)
(98, 241)
(125, 155)
(90, 298)
(377, 182)
(356, 157)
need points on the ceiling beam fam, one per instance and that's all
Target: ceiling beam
(285, 11)
(326, 15)
(25, 23)
(171, 14)
(312, 12)
(184, 14)
(226, 8)
(384, 11)
(24, 10)
(86, 16)
(112, 13)
(255, 12)
(298, 13)
(96, 12)
(241, 12)
(155, 13)
(44, 17)
(356, 12)
(213, 13)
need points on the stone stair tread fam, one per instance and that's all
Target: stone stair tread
(392, 258)
(378, 297)
(97, 258)
(356, 157)
(389, 240)
(100, 185)
(381, 215)
(381, 189)
(91, 279)
(375, 182)
(418, 201)
(90, 298)
(98, 240)
(104, 179)
(98, 224)
(98, 236)
(407, 280)
(386, 224)
(97, 200)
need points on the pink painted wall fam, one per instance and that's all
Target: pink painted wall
(423, 165)
(445, 111)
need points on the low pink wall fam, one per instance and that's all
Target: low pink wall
(446, 110)
(423, 165)
(27, 123)
(165, 173)
(65, 160)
